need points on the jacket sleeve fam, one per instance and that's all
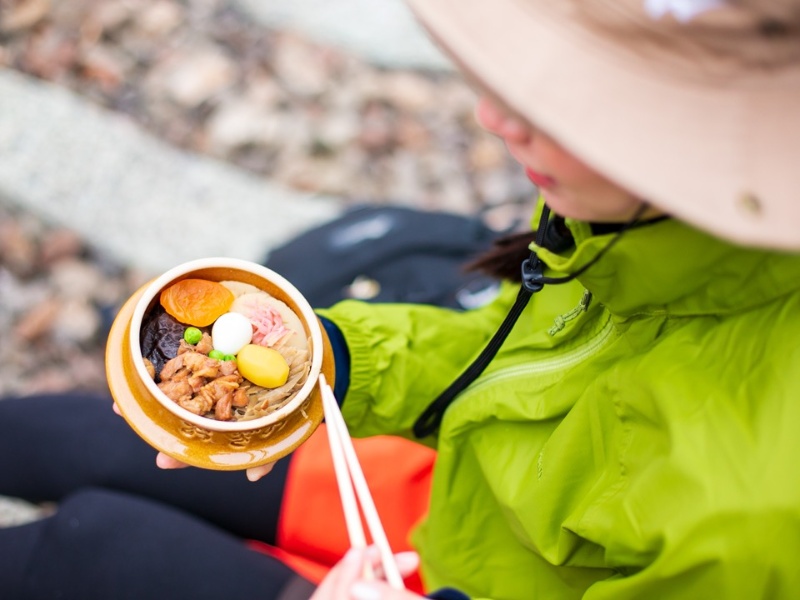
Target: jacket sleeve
(403, 355)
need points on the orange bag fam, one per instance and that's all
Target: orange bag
(312, 535)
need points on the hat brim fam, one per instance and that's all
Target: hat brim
(722, 156)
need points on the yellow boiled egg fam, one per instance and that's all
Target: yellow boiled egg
(263, 366)
(231, 332)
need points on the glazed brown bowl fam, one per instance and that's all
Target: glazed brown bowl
(195, 439)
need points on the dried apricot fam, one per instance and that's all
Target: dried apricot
(197, 302)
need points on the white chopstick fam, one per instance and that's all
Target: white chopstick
(349, 475)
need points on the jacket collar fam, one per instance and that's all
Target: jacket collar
(670, 268)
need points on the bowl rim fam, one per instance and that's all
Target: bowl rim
(307, 314)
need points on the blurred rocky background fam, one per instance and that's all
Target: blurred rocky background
(135, 134)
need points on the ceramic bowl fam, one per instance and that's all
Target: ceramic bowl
(198, 440)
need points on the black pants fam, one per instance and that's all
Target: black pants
(123, 527)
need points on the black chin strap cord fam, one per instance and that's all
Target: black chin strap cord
(533, 280)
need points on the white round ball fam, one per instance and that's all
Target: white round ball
(231, 332)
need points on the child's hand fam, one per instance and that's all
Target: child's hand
(167, 462)
(346, 580)
(253, 474)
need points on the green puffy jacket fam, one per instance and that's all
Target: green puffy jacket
(638, 435)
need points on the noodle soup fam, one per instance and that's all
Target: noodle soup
(227, 345)
(242, 364)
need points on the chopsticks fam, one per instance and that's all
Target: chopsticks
(351, 481)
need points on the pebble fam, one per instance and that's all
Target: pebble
(194, 75)
(14, 512)
(24, 15)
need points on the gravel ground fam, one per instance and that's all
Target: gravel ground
(202, 76)
(57, 298)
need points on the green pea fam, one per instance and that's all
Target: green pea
(229, 357)
(216, 354)
(192, 335)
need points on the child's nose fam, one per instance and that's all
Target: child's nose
(496, 121)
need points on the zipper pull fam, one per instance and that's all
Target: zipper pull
(561, 321)
(586, 300)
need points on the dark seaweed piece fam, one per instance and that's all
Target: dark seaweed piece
(160, 337)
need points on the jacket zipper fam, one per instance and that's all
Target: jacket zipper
(569, 359)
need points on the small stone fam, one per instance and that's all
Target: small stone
(106, 66)
(237, 123)
(406, 177)
(38, 321)
(19, 294)
(487, 153)
(14, 512)
(160, 18)
(50, 54)
(77, 322)
(459, 99)
(408, 91)
(339, 129)
(300, 67)
(377, 132)
(23, 15)
(107, 17)
(412, 135)
(17, 250)
(311, 174)
(194, 75)
(59, 244)
(75, 279)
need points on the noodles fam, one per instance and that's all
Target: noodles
(203, 380)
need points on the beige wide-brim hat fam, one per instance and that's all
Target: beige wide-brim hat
(693, 105)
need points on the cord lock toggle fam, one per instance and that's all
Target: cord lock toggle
(533, 274)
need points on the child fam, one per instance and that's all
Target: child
(636, 434)
(624, 423)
